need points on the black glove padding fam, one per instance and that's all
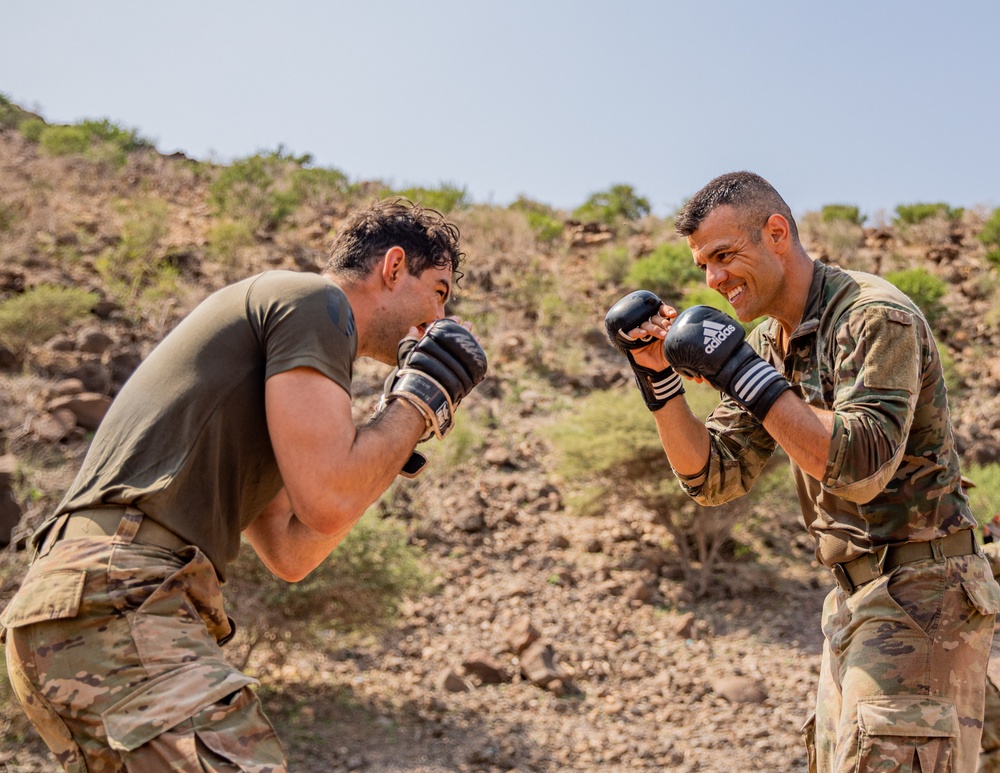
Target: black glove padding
(436, 372)
(657, 386)
(705, 342)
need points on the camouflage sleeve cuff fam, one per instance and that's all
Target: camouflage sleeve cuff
(692, 483)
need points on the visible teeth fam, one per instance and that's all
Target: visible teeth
(734, 293)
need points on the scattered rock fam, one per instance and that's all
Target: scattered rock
(739, 689)
(87, 408)
(522, 634)
(451, 681)
(487, 668)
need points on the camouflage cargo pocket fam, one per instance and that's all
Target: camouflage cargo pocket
(907, 734)
(47, 596)
(983, 594)
(161, 704)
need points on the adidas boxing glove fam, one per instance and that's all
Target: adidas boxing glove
(656, 386)
(704, 342)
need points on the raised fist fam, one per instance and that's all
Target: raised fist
(436, 371)
(656, 386)
(705, 342)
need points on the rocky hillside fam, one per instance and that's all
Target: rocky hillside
(559, 633)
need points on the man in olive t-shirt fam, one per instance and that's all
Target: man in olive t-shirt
(239, 422)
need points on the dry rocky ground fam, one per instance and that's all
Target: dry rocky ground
(551, 640)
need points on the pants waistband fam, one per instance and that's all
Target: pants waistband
(851, 575)
(107, 522)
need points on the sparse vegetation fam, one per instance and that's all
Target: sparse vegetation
(667, 271)
(613, 207)
(542, 218)
(990, 236)
(358, 588)
(912, 214)
(39, 313)
(446, 198)
(984, 497)
(832, 213)
(923, 288)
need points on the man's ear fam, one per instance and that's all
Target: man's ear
(777, 233)
(393, 266)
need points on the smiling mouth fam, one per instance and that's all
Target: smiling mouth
(735, 293)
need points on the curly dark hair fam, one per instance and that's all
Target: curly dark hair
(750, 194)
(428, 239)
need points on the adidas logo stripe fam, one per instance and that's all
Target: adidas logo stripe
(754, 380)
(715, 334)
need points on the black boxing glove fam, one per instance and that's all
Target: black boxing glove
(657, 386)
(703, 341)
(435, 372)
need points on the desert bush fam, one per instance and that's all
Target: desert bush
(911, 214)
(541, 218)
(100, 140)
(134, 271)
(39, 313)
(612, 265)
(831, 213)
(318, 186)
(254, 189)
(620, 203)
(666, 271)
(984, 497)
(227, 241)
(31, 129)
(445, 198)
(359, 587)
(923, 288)
(990, 236)
(11, 116)
(607, 449)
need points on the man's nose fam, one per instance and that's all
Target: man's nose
(715, 276)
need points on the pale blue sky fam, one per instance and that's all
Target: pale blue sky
(868, 103)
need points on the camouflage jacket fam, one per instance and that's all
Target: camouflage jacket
(864, 351)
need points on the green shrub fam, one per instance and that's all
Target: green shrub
(445, 198)
(620, 203)
(984, 497)
(101, 139)
(252, 189)
(990, 236)
(541, 218)
(613, 264)
(31, 129)
(666, 271)
(318, 185)
(359, 587)
(911, 214)
(923, 288)
(8, 216)
(11, 115)
(836, 212)
(227, 240)
(135, 271)
(37, 314)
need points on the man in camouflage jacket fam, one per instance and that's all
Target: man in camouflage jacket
(845, 377)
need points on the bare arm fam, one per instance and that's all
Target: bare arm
(332, 470)
(803, 431)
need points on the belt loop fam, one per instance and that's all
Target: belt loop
(50, 539)
(840, 575)
(128, 527)
(937, 551)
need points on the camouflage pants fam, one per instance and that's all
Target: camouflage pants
(112, 650)
(989, 759)
(904, 670)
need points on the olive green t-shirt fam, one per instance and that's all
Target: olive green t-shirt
(186, 439)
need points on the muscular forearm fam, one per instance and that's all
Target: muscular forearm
(684, 437)
(286, 545)
(803, 431)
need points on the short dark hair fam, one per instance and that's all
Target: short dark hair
(427, 238)
(750, 194)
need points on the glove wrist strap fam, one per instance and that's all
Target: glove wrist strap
(658, 387)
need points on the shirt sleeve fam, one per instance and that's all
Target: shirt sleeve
(739, 449)
(876, 383)
(303, 320)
